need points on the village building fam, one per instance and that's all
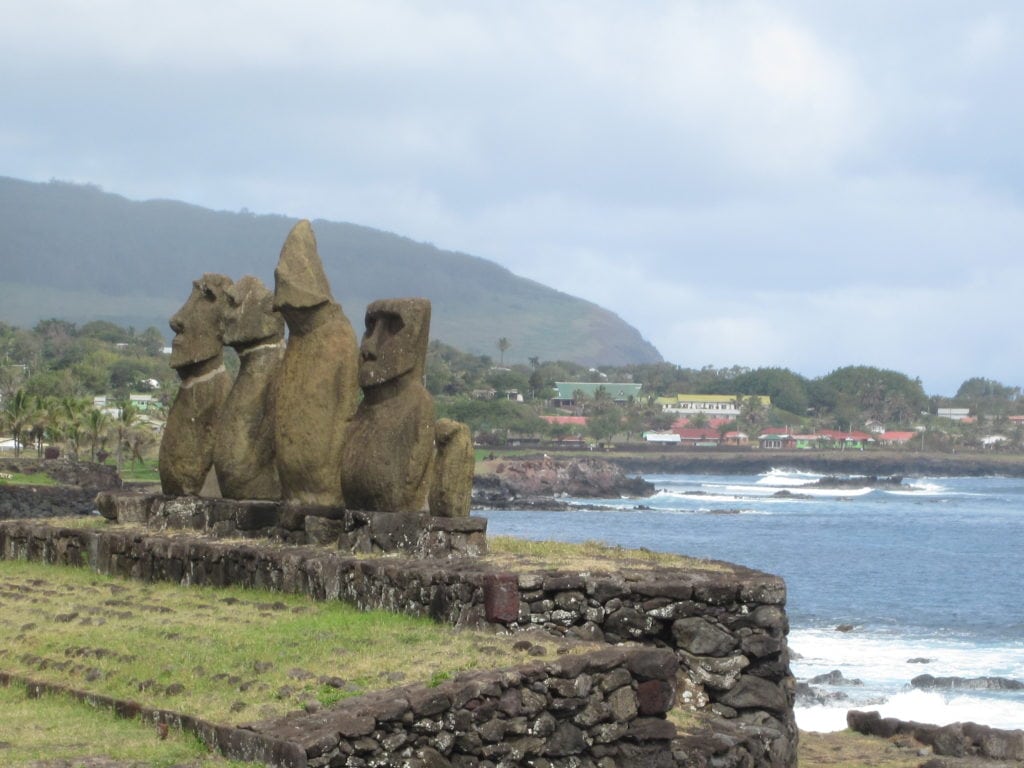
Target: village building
(954, 414)
(618, 392)
(712, 405)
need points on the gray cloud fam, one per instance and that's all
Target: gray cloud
(793, 183)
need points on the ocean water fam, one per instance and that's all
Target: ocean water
(931, 572)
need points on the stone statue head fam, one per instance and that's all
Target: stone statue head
(395, 342)
(199, 325)
(250, 315)
(299, 279)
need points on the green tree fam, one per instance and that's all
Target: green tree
(787, 390)
(604, 424)
(579, 402)
(18, 414)
(152, 341)
(752, 415)
(855, 394)
(699, 420)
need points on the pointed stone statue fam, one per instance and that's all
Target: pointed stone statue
(197, 354)
(317, 386)
(389, 448)
(244, 455)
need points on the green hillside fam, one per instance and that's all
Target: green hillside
(79, 253)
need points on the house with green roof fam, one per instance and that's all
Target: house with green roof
(619, 392)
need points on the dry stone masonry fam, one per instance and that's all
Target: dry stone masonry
(725, 626)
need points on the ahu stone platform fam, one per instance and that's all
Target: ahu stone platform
(721, 630)
(417, 534)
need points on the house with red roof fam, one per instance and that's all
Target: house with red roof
(896, 438)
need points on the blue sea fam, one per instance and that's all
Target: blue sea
(931, 571)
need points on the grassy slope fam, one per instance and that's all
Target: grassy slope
(224, 655)
(271, 653)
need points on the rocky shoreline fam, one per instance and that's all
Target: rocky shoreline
(543, 483)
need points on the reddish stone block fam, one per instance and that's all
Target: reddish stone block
(501, 597)
(654, 697)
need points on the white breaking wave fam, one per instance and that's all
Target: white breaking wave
(882, 664)
(921, 706)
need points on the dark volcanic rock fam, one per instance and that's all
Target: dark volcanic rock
(501, 482)
(967, 683)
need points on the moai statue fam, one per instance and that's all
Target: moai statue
(451, 489)
(197, 354)
(244, 456)
(317, 387)
(389, 448)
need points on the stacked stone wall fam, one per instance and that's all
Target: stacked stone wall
(602, 708)
(367, 533)
(21, 502)
(76, 494)
(726, 626)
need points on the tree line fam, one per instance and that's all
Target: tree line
(844, 399)
(50, 373)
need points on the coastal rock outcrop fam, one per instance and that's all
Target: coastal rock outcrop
(930, 682)
(500, 483)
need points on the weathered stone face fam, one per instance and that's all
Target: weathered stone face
(395, 341)
(317, 386)
(389, 446)
(244, 455)
(186, 448)
(299, 279)
(198, 325)
(451, 488)
(250, 315)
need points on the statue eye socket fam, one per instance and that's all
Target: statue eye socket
(394, 324)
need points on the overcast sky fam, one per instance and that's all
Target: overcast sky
(799, 184)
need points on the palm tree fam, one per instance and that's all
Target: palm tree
(579, 401)
(17, 416)
(127, 414)
(503, 345)
(96, 423)
(73, 415)
(40, 422)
